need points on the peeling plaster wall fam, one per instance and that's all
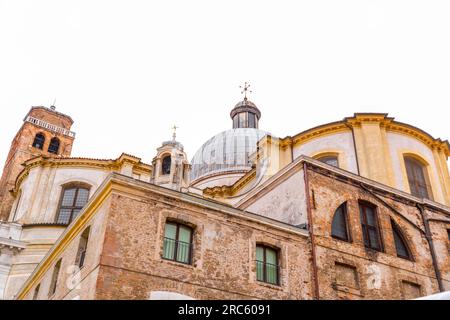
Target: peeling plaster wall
(39, 240)
(286, 202)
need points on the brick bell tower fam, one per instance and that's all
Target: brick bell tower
(44, 132)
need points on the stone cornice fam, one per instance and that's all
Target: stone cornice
(228, 191)
(218, 174)
(51, 111)
(105, 164)
(12, 244)
(359, 118)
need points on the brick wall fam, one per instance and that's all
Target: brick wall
(349, 270)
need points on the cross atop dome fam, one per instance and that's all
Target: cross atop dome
(245, 89)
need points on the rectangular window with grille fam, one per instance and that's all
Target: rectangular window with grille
(267, 269)
(177, 243)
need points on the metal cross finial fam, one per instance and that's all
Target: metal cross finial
(245, 89)
(174, 136)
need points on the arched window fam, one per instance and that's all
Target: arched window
(417, 178)
(54, 146)
(166, 163)
(82, 247)
(369, 224)
(400, 242)
(339, 226)
(54, 279)
(73, 199)
(329, 159)
(39, 141)
(36, 292)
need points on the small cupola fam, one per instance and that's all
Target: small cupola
(171, 167)
(245, 114)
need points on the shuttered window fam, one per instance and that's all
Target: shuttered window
(370, 228)
(417, 178)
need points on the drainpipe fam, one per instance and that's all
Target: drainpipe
(431, 245)
(354, 146)
(311, 233)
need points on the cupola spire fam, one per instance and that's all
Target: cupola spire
(174, 135)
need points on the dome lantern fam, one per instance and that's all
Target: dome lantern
(245, 114)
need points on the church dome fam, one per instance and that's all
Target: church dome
(227, 152)
(226, 156)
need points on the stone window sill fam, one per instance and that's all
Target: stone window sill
(346, 289)
(271, 286)
(178, 264)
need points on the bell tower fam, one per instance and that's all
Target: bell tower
(44, 131)
(171, 169)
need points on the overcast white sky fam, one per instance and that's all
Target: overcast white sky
(126, 71)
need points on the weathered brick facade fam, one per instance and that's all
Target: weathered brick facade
(125, 261)
(349, 270)
(126, 245)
